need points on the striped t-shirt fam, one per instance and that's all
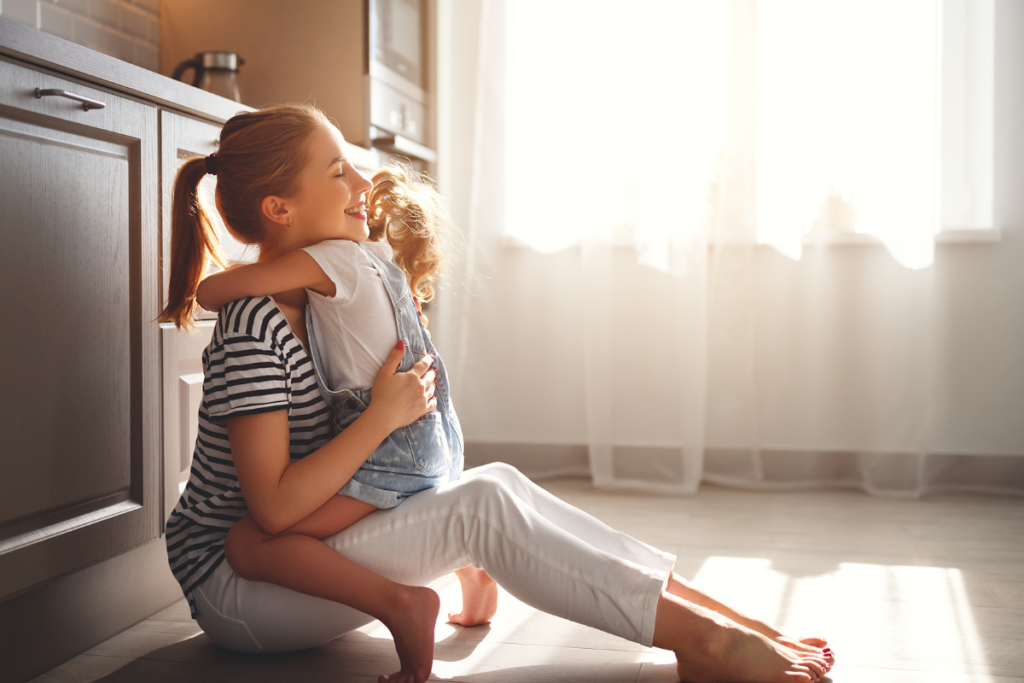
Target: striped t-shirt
(254, 364)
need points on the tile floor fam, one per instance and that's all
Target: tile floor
(909, 591)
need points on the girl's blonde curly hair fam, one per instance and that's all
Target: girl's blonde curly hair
(404, 208)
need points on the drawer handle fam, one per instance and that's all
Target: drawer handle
(87, 102)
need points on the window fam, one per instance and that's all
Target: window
(780, 121)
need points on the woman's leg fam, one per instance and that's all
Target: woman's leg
(480, 592)
(600, 535)
(479, 520)
(575, 521)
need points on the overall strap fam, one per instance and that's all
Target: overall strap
(314, 355)
(392, 275)
(410, 328)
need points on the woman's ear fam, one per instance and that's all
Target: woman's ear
(276, 209)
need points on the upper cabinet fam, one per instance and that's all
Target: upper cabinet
(367, 63)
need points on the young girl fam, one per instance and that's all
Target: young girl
(362, 306)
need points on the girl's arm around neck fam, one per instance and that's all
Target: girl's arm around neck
(294, 270)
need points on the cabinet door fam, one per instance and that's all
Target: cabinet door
(79, 409)
(183, 392)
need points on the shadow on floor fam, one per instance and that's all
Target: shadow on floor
(354, 657)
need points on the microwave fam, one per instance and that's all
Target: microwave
(397, 74)
(396, 37)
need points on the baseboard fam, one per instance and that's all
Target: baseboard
(55, 622)
(537, 461)
(900, 474)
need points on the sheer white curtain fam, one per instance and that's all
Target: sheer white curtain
(665, 140)
(621, 112)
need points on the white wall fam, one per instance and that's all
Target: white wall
(126, 29)
(521, 383)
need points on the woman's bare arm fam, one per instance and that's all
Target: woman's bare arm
(294, 270)
(278, 492)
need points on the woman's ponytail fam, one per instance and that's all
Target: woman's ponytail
(193, 241)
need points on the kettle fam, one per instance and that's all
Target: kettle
(215, 72)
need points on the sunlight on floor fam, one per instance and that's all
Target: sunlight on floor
(865, 610)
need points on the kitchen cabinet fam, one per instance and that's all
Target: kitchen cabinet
(80, 414)
(80, 409)
(82, 499)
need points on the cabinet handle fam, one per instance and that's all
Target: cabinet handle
(87, 102)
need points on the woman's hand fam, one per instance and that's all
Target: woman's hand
(281, 492)
(401, 398)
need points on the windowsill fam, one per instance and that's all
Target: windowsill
(976, 236)
(967, 236)
(825, 238)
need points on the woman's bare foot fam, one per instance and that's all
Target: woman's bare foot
(412, 628)
(711, 648)
(811, 646)
(479, 598)
(818, 646)
(750, 657)
(815, 646)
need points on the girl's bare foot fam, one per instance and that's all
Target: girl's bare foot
(412, 628)
(479, 598)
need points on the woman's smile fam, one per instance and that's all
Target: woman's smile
(358, 211)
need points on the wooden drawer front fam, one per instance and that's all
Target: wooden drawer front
(79, 355)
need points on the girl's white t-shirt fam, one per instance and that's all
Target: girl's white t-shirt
(355, 329)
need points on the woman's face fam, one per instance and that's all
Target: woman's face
(330, 202)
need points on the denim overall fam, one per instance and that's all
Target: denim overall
(426, 453)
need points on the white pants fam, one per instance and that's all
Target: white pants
(543, 551)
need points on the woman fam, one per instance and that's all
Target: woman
(264, 456)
